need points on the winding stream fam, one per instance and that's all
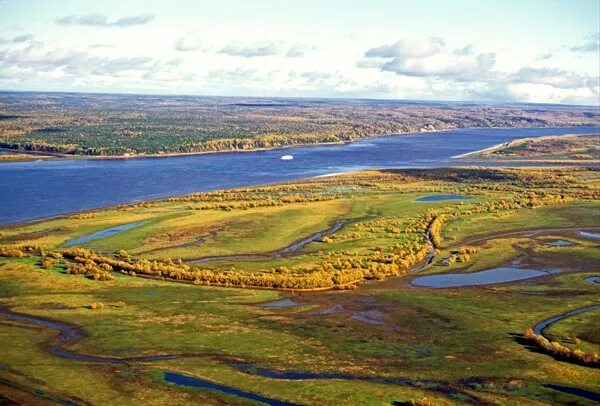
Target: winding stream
(280, 253)
(69, 334)
(195, 382)
(107, 232)
(539, 328)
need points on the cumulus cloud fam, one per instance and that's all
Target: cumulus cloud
(427, 57)
(370, 63)
(100, 20)
(466, 50)
(36, 57)
(591, 43)
(554, 77)
(419, 47)
(298, 50)
(474, 75)
(251, 51)
(16, 39)
(458, 68)
(189, 42)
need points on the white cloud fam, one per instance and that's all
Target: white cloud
(475, 75)
(16, 39)
(459, 68)
(419, 47)
(558, 78)
(298, 50)
(100, 20)
(252, 50)
(591, 43)
(191, 41)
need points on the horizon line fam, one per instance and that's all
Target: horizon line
(425, 101)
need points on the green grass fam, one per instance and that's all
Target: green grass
(442, 335)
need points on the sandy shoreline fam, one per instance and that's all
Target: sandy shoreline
(466, 154)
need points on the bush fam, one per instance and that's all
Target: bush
(562, 351)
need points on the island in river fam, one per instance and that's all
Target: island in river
(569, 148)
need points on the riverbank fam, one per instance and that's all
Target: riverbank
(83, 183)
(176, 154)
(57, 155)
(565, 149)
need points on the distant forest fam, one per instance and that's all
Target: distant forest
(104, 125)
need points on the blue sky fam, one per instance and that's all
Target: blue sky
(536, 51)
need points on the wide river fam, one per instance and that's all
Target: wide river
(31, 190)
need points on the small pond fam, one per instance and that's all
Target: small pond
(280, 303)
(559, 243)
(489, 277)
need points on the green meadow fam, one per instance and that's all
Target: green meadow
(356, 331)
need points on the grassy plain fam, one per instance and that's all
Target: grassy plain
(457, 345)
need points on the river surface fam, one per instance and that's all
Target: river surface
(37, 189)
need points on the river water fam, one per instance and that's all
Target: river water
(31, 190)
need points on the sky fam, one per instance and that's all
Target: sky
(544, 51)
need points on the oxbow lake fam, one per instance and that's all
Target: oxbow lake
(37, 189)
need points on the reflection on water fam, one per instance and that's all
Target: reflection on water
(442, 198)
(489, 277)
(560, 243)
(280, 303)
(107, 232)
(589, 235)
(190, 381)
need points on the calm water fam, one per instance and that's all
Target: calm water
(594, 396)
(280, 303)
(586, 234)
(539, 328)
(489, 277)
(38, 189)
(442, 198)
(560, 243)
(103, 233)
(185, 380)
